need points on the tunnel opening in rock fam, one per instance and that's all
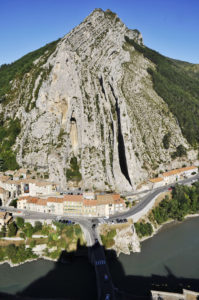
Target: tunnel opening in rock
(73, 120)
(121, 146)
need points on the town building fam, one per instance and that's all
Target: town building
(34, 187)
(172, 176)
(28, 187)
(177, 174)
(74, 205)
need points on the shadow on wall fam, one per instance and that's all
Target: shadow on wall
(73, 278)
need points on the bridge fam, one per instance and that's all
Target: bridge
(105, 287)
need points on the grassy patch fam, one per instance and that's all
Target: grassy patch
(108, 238)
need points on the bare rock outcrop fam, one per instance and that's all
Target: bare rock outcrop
(93, 98)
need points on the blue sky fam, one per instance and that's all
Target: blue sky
(170, 27)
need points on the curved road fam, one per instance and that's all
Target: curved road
(86, 222)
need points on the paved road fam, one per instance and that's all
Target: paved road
(149, 197)
(86, 223)
(106, 289)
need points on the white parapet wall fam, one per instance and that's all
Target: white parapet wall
(145, 210)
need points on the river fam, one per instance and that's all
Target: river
(169, 260)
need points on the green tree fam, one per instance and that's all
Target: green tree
(13, 203)
(73, 173)
(3, 231)
(38, 226)
(11, 251)
(20, 222)
(28, 230)
(166, 140)
(12, 229)
(143, 229)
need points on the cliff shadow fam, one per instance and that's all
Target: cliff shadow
(73, 278)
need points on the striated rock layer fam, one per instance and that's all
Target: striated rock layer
(94, 99)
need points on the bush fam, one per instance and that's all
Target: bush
(180, 151)
(32, 244)
(22, 235)
(143, 229)
(166, 140)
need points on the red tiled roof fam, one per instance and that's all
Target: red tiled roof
(178, 171)
(158, 179)
(90, 202)
(73, 198)
(55, 199)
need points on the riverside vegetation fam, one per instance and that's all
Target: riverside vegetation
(184, 201)
(56, 237)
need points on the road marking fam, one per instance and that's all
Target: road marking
(100, 262)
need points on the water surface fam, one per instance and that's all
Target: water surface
(168, 260)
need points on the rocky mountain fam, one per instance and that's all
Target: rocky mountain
(88, 111)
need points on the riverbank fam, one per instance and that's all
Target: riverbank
(27, 261)
(169, 260)
(30, 243)
(169, 222)
(174, 206)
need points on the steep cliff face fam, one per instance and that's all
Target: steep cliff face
(92, 98)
